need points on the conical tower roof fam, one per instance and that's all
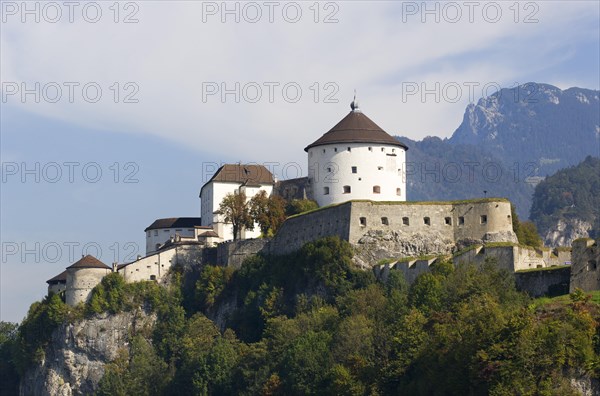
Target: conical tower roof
(356, 127)
(89, 262)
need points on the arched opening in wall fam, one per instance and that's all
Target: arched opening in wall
(152, 277)
(384, 221)
(592, 265)
(376, 190)
(448, 220)
(483, 219)
(363, 221)
(461, 221)
(405, 221)
(426, 221)
(325, 190)
(347, 190)
(398, 191)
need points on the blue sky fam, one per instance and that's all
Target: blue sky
(164, 143)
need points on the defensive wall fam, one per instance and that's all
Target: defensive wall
(460, 222)
(585, 273)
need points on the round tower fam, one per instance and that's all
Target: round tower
(82, 277)
(356, 159)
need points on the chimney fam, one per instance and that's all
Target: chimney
(114, 267)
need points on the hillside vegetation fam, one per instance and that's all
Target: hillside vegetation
(311, 324)
(570, 194)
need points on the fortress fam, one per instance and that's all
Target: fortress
(357, 176)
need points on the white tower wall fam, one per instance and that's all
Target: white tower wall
(331, 170)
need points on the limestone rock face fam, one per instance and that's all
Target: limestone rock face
(73, 363)
(565, 231)
(376, 245)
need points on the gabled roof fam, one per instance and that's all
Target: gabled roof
(89, 262)
(60, 278)
(356, 128)
(250, 175)
(209, 234)
(174, 222)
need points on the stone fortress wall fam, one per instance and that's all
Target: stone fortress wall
(585, 273)
(80, 283)
(383, 229)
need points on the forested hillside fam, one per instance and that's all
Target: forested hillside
(569, 202)
(311, 324)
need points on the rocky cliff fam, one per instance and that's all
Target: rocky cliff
(73, 363)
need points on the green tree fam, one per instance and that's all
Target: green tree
(297, 206)
(268, 212)
(236, 210)
(9, 377)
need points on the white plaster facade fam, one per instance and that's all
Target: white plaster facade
(343, 172)
(155, 238)
(213, 192)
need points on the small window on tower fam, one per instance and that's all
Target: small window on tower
(363, 221)
(370, 148)
(323, 151)
(398, 191)
(380, 168)
(329, 170)
(448, 220)
(335, 149)
(426, 221)
(384, 221)
(483, 219)
(405, 221)
(461, 221)
(349, 149)
(376, 189)
(347, 189)
(354, 169)
(325, 190)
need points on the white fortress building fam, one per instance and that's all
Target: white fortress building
(357, 175)
(356, 159)
(231, 179)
